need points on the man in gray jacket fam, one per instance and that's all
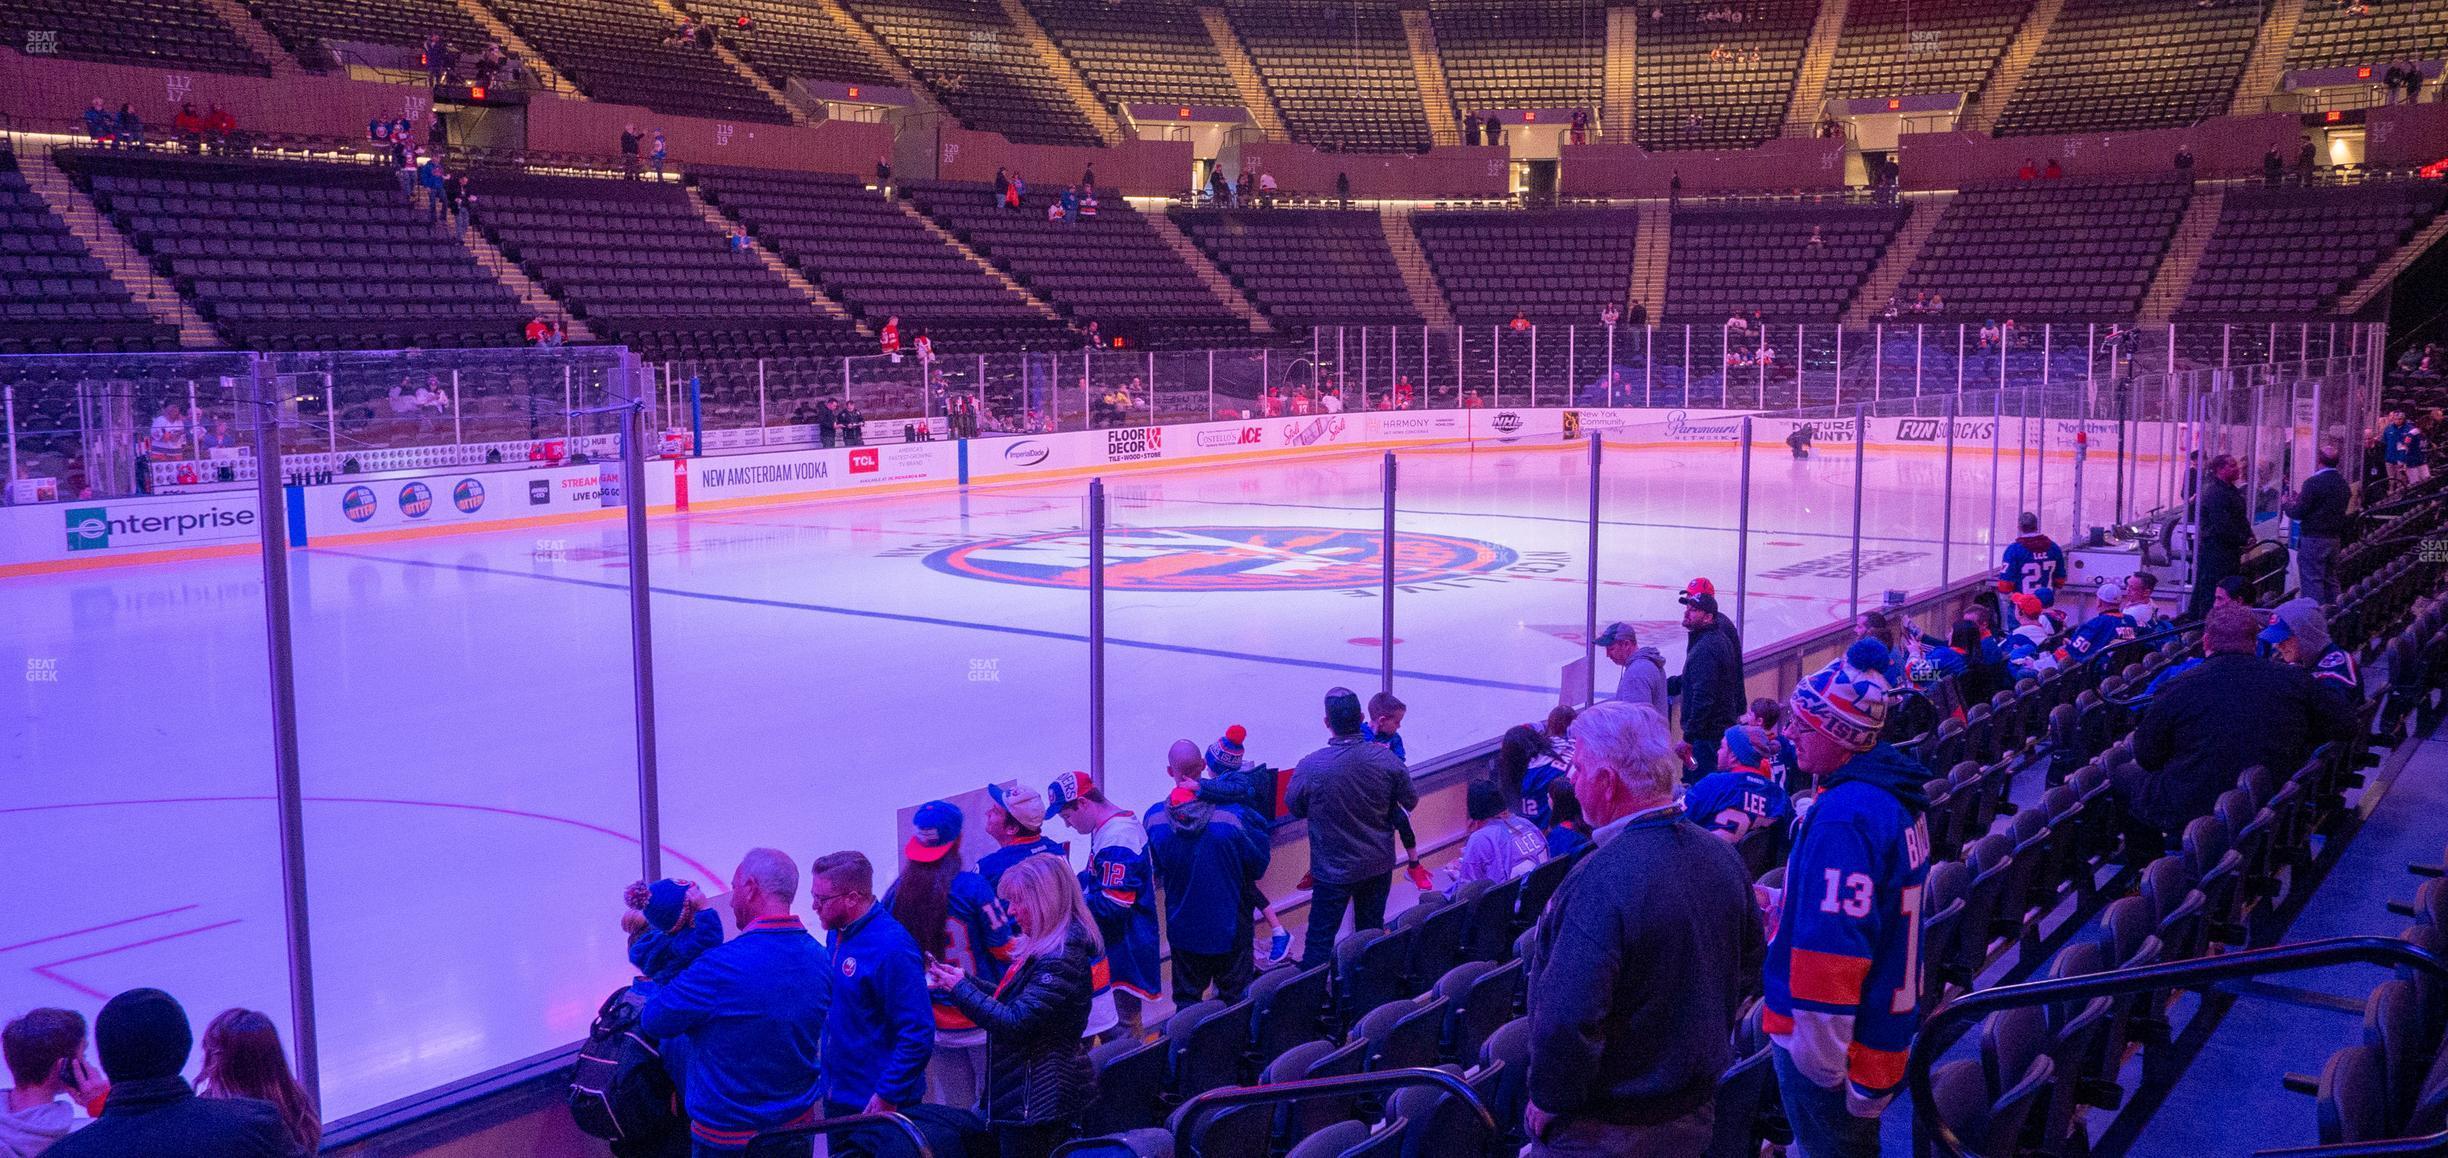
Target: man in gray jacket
(1348, 791)
(1644, 670)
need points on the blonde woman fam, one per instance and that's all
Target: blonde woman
(1038, 1076)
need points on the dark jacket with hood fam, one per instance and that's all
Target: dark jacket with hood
(1644, 681)
(1713, 680)
(2190, 744)
(1037, 1068)
(2225, 528)
(1205, 859)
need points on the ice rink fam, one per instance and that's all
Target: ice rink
(820, 667)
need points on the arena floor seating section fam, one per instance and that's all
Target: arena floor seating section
(155, 33)
(301, 25)
(1557, 268)
(877, 261)
(1306, 267)
(59, 299)
(284, 255)
(2134, 64)
(2332, 35)
(1340, 74)
(1111, 269)
(1911, 47)
(791, 40)
(1740, 260)
(982, 69)
(2057, 249)
(1718, 76)
(1523, 54)
(1140, 51)
(2289, 252)
(615, 51)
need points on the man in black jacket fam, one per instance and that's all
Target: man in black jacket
(2232, 711)
(1712, 683)
(1642, 961)
(144, 1040)
(2321, 513)
(2221, 533)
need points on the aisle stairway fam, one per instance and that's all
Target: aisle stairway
(1214, 279)
(1254, 94)
(1921, 221)
(117, 254)
(1803, 110)
(2268, 60)
(1066, 74)
(1622, 65)
(2184, 254)
(798, 281)
(1650, 247)
(1418, 277)
(1428, 70)
(518, 48)
(1982, 116)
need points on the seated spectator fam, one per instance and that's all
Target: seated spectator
(2298, 634)
(55, 1091)
(220, 127)
(2029, 171)
(669, 926)
(1571, 833)
(1743, 796)
(243, 1059)
(1817, 239)
(189, 124)
(1526, 763)
(752, 1011)
(129, 127)
(100, 125)
(2054, 170)
(144, 1039)
(2207, 726)
(1499, 846)
(1039, 1079)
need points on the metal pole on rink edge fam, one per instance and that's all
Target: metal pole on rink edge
(641, 639)
(288, 791)
(1946, 518)
(1861, 439)
(1385, 612)
(1096, 629)
(1589, 612)
(1742, 532)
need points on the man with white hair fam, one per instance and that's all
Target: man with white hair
(1642, 960)
(752, 1010)
(1842, 995)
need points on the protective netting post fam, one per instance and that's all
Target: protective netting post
(288, 782)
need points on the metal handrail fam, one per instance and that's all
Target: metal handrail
(830, 1126)
(1199, 1105)
(1933, 1131)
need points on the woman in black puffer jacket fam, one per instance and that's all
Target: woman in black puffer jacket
(1039, 1079)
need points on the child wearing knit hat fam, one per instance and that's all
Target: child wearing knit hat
(669, 925)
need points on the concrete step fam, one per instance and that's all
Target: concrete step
(1418, 276)
(810, 290)
(1254, 94)
(1428, 72)
(117, 254)
(1066, 75)
(1216, 281)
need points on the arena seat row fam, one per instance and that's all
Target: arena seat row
(1111, 269)
(876, 260)
(1902, 48)
(614, 50)
(1522, 54)
(2387, 32)
(2291, 252)
(2062, 249)
(55, 296)
(1686, 100)
(300, 24)
(1140, 51)
(1558, 268)
(638, 263)
(2134, 64)
(1341, 75)
(1306, 267)
(784, 41)
(301, 255)
(154, 33)
(982, 69)
(1736, 261)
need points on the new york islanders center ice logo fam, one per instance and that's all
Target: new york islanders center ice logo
(1223, 558)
